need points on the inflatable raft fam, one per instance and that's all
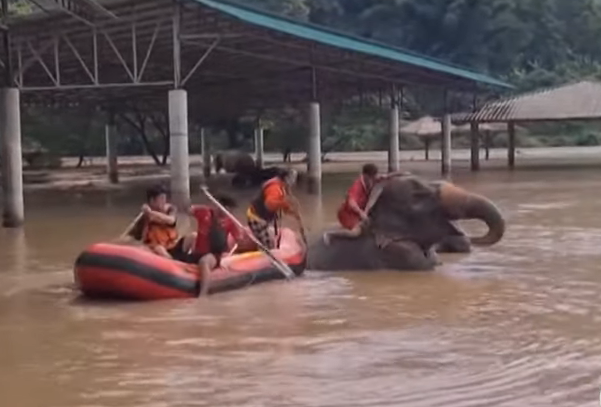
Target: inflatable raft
(126, 272)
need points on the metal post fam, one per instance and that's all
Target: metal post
(12, 160)
(446, 145)
(511, 145)
(112, 166)
(8, 66)
(393, 147)
(475, 146)
(206, 154)
(178, 138)
(177, 68)
(259, 132)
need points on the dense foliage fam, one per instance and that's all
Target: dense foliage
(531, 43)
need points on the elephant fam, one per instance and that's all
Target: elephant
(410, 219)
(255, 177)
(234, 162)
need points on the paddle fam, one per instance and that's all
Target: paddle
(129, 228)
(288, 273)
(300, 222)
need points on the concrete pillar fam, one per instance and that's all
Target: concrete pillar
(259, 146)
(178, 138)
(314, 149)
(511, 145)
(475, 146)
(393, 147)
(110, 134)
(13, 207)
(206, 154)
(446, 145)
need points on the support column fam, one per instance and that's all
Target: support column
(446, 145)
(110, 135)
(511, 145)
(206, 154)
(178, 138)
(393, 148)
(314, 149)
(259, 132)
(13, 208)
(475, 146)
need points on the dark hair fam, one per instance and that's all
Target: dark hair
(155, 191)
(226, 200)
(370, 170)
(282, 173)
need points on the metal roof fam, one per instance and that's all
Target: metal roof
(573, 101)
(232, 58)
(333, 38)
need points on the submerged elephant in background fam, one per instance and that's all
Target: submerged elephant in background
(410, 218)
(234, 162)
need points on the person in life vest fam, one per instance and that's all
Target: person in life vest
(213, 229)
(157, 228)
(267, 208)
(352, 214)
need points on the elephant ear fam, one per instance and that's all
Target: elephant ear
(424, 198)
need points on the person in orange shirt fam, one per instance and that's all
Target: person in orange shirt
(273, 201)
(352, 214)
(158, 227)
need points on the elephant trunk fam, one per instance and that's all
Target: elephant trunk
(461, 204)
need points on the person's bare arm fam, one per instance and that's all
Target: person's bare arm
(353, 205)
(393, 174)
(165, 218)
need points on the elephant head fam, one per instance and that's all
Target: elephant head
(409, 219)
(411, 207)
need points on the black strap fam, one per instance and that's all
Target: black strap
(277, 228)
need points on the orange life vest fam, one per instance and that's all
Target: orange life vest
(160, 234)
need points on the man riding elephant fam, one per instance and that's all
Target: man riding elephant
(409, 219)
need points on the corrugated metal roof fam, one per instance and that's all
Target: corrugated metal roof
(574, 101)
(330, 37)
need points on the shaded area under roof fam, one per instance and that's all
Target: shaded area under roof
(573, 101)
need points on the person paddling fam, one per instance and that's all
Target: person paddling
(352, 214)
(273, 201)
(157, 228)
(213, 230)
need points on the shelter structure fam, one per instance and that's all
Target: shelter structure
(578, 101)
(428, 128)
(205, 57)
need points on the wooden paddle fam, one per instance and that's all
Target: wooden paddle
(129, 228)
(281, 266)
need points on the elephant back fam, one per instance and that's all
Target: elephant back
(234, 161)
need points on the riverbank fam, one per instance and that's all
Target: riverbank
(141, 171)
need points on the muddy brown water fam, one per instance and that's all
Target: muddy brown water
(517, 324)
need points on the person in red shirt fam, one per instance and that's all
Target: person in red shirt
(352, 214)
(213, 229)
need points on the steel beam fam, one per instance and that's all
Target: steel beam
(177, 51)
(202, 58)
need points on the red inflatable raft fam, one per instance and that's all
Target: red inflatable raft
(117, 271)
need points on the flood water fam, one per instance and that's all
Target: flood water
(517, 324)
